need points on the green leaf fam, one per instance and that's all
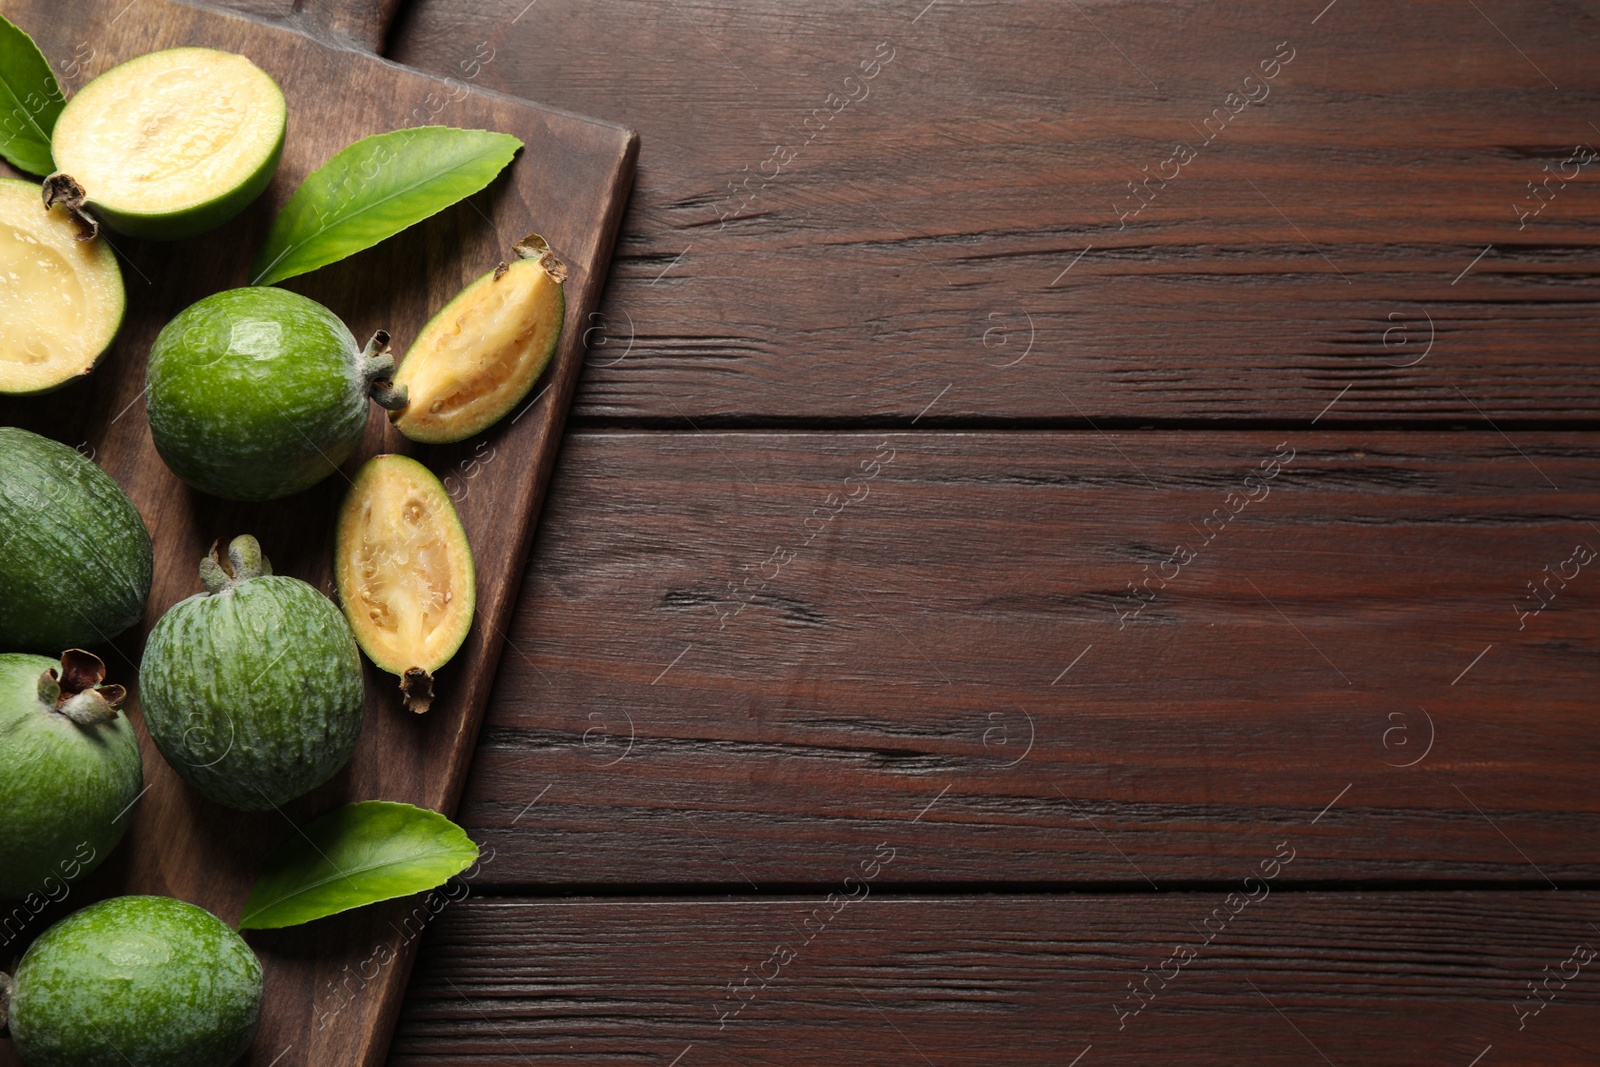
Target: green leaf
(375, 188)
(353, 856)
(30, 100)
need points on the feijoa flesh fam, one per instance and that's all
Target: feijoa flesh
(257, 393)
(168, 145)
(75, 558)
(72, 771)
(61, 299)
(404, 572)
(480, 355)
(252, 690)
(135, 982)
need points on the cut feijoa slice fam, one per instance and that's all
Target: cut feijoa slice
(478, 357)
(170, 144)
(61, 299)
(404, 572)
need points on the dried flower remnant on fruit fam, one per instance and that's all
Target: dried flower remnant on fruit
(74, 689)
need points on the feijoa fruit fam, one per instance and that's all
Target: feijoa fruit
(168, 145)
(404, 572)
(135, 982)
(257, 393)
(72, 771)
(61, 299)
(252, 690)
(75, 558)
(478, 357)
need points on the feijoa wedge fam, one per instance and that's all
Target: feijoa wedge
(61, 299)
(404, 572)
(170, 144)
(479, 356)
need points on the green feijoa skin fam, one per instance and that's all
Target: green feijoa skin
(135, 982)
(72, 772)
(253, 690)
(257, 393)
(75, 560)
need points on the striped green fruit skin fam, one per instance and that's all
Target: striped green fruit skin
(66, 790)
(255, 393)
(254, 695)
(75, 558)
(136, 982)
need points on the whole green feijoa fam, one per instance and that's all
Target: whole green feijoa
(135, 982)
(75, 559)
(252, 690)
(257, 393)
(72, 771)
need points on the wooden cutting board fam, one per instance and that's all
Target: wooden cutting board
(333, 987)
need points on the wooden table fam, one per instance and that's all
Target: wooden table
(1073, 546)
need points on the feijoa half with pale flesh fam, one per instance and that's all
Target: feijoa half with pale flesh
(257, 393)
(168, 145)
(75, 559)
(134, 982)
(252, 690)
(72, 771)
(480, 355)
(61, 299)
(404, 572)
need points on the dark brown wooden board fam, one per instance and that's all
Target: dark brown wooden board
(917, 653)
(359, 23)
(1377, 979)
(922, 237)
(570, 183)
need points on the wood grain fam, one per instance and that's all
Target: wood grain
(975, 602)
(1369, 978)
(570, 182)
(360, 24)
(927, 236)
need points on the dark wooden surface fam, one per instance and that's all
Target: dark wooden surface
(570, 183)
(669, 796)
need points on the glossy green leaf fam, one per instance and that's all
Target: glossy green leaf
(30, 100)
(375, 188)
(356, 855)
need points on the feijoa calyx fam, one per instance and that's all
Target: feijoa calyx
(76, 563)
(259, 392)
(480, 355)
(61, 298)
(168, 145)
(72, 771)
(134, 982)
(252, 690)
(404, 572)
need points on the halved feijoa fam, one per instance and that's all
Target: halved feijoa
(404, 572)
(478, 357)
(61, 299)
(169, 144)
